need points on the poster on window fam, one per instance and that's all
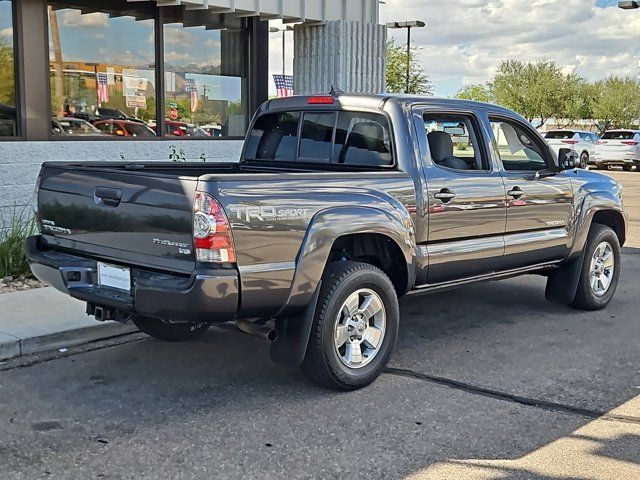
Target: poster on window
(135, 91)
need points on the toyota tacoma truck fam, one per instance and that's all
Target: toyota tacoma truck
(340, 205)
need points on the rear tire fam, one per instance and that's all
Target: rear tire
(169, 332)
(584, 160)
(354, 329)
(626, 168)
(600, 270)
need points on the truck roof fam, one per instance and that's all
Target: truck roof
(372, 101)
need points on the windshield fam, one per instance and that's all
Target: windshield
(618, 135)
(560, 135)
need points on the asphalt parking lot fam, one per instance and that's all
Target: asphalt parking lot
(487, 382)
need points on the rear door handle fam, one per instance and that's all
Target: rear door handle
(515, 192)
(111, 197)
(445, 195)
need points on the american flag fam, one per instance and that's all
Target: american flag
(103, 88)
(284, 85)
(193, 89)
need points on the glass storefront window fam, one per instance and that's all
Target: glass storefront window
(8, 115)
(102, 66)
(205, 75)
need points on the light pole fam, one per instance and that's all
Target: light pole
(631, 5)
(408, 25)
(284, 31)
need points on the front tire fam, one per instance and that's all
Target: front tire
(169, 332)
(626, 168)
(354, 329)
(600, 270)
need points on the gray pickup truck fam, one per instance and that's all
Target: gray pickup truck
(340, 205)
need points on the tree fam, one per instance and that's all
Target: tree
(58, 85)
(477, 93)
(7, 82)
(616, 102)
(419, 83)
(580, 102)
(535, 90)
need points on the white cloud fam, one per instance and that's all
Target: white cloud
(6, 32)
(178, 36)
(465, 40)
(74, 18)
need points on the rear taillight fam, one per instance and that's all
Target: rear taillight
(570, 142)
(629, 142)
(601, 142)
(212, 238)
(34, 202)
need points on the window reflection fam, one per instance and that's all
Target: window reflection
(8, 116)
(102, 68)
(205, 75)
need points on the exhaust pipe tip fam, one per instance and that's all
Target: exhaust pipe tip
(263, 331)
(272, 335)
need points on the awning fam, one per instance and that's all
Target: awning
(310, 11)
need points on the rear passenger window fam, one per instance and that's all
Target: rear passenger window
(362, 139)
(351, 138)
(274, 137)
(317, 136)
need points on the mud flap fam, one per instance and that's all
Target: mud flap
(293, 335)
(562, 283)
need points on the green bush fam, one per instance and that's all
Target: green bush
(13, 233)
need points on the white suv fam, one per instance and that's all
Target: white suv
(619, 147)
(584, 143)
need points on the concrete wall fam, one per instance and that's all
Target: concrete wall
(20, 161)
(349, 55)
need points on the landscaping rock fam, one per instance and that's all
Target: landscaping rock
(10, 284)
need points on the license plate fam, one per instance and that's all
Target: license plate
(114, 276)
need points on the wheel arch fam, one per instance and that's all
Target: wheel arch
(600, 207)
(365, 230)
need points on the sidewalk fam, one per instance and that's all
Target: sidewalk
(43, 319)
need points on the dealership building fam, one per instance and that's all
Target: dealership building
(163, 79)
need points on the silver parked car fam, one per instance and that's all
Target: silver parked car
(584, 143)
(619, 147)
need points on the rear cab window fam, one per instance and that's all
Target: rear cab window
(332, 137)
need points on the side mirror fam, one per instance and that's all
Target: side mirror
(568, 159)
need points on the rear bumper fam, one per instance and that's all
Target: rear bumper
(206, 296)
(619, 160)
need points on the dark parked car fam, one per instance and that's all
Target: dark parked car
(8, 121)
(103, 113)
(339, 206)
(124, 128)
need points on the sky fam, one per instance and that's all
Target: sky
(465, 40)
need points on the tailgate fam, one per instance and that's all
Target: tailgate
(130, 217)
(622, 147)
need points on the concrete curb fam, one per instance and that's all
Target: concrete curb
(11, 347)
(42, 319)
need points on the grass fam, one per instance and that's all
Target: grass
(13, 233)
